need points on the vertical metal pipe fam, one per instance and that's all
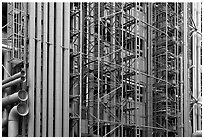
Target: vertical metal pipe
(25, 57)
(81, 65)
(199, 65)
(45, 70)
(136, 68)
(112, 97)
(177, 74)
(182, 93)
(91, 56)
(166, 117)
(51, 69)
(122, 73)
(98, 94)
(66, 81)
(149, 68)
(194, 72)
(7, 90)
(58, 71)
(185, 67)
(38, 73)
(31, 71)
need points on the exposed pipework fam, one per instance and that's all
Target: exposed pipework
(15, 76)
(21, 95)
(21, 79)
(13, 119)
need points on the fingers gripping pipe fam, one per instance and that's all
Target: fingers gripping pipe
(13, 119)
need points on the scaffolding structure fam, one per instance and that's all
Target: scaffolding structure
(166, 51)
(16, 31)
(103, 69)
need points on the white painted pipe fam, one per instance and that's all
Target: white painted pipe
(18, 80)
(58, 71)
(15, 76)
(21, 95)
(51, 70)
(13, 119)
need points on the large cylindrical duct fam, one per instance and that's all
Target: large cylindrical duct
(13, 119)
(18, 80)
(15, 76)
(21, 95)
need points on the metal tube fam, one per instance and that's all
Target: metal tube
(199, 69)
(149, 80)
(185, 69)
(21, 95)
(45, 71)
(31, 69)
(98, 95)
(81, 67)
(194, 72)
(136, 69)
(13, 119)
(122, 75)
(38, 72)
(66, 81)
(166, 72)
(58, 71)
(15, 76)
(51, 69)
(7, 90)
(21, 79)
(181, 90)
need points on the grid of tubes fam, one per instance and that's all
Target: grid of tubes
(15, 31)
(167, 45)
(89, 77)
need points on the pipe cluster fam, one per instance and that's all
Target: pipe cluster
(20, 97)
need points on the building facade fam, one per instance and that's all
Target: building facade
(102, 69)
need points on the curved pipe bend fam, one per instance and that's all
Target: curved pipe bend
(13, 119)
